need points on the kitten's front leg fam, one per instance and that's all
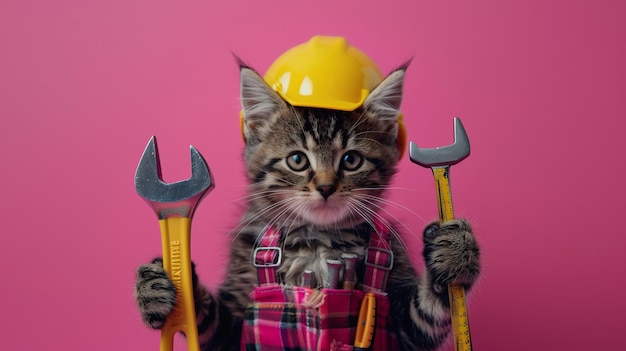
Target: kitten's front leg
(452, 256)
(421, 309)
(156, 298)
(155, 294)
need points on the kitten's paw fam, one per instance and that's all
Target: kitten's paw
(451, 254)
(155, 294)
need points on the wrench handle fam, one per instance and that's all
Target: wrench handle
(456, 293)
(176, 240)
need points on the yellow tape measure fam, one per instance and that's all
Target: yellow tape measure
(456, 293)
(444, 197)
(460, 321)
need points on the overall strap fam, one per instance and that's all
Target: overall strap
(267, 256)
(378, 258)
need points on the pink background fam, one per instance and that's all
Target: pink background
(539, 85)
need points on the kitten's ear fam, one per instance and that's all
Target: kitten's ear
(384, 101)
(258, 100)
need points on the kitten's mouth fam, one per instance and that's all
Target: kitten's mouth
(325, 212)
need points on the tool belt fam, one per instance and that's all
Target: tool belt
(283, 317)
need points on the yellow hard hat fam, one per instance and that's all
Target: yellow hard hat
(327, 72)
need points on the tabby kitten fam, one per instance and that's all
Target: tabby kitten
(320, 175)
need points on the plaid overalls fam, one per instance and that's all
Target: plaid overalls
(282, 317)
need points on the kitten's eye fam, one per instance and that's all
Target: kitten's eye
(351, 161)
(297, 161)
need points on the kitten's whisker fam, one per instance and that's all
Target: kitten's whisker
(289, 209)
(268, 172)
(358, 208)
(384, 188)
(361, 119)
(274, 220)
(387, 224)
(265, 194)
(385, 201)
(357, 136)
(373, 202)
(372, 132)
(298, 120)
(254, 216)
(270, 223)
(259, 195)
(288, 206)
(369, 213)
(295, 212)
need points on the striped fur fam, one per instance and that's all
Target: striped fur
(320, 175)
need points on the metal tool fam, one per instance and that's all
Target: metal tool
(439, 160)
(174, 205)
(334, 271)
(350, 261)
(308, 279)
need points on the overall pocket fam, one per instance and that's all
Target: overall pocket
(297, 318)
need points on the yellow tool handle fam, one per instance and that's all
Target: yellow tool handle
(366, 323)
(456, 293)
(460, 321)
(175, 240)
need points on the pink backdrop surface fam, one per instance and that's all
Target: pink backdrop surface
(539, 85)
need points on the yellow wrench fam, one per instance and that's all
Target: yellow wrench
(175, 204)
(439, 160)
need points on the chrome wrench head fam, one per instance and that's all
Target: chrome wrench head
(444, 155)
(178, 199)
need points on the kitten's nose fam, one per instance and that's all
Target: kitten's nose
(326, 189)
